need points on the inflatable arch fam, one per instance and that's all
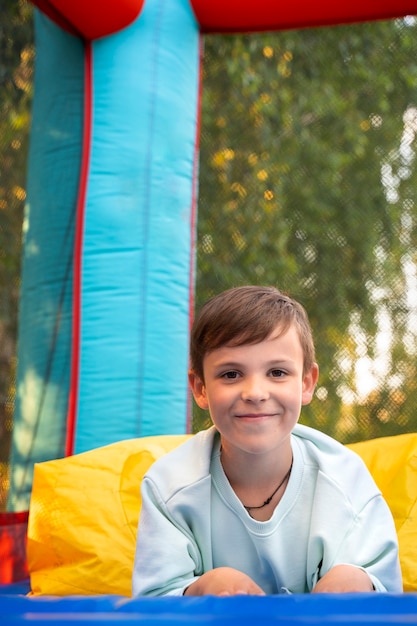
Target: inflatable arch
(108, 268)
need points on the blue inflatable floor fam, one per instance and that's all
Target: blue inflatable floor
(295, 610)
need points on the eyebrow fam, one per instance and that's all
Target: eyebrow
(237, 364)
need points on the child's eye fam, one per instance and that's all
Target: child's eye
(230, 375)
(277, 373)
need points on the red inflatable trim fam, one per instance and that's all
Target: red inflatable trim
(193, 224)
(91, 19)
(263, 15)
(13, 533)
(78, 250)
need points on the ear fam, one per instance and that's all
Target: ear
(309, 384)
(198, 389)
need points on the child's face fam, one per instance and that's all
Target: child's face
(255, 392)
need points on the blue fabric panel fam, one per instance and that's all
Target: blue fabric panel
(44, 340)
(137, 237)
(295, 610)
(14, 590)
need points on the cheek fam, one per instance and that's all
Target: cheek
(294, 395)
(217, 398)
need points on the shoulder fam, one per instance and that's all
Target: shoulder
(333, 461)
(319, 443)
(187, 464)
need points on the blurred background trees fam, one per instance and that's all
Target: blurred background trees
(16, 69)
(307, 182)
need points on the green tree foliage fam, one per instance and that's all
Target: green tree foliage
(308, 183)
(16, 63)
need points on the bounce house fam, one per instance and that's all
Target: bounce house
(107, 295)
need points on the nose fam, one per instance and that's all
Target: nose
(254, 389)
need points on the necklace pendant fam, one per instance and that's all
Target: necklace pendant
(268, 500)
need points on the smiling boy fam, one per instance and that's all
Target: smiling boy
(259, 504)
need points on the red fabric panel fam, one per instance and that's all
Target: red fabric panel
(13, 532)
(91, 19)
(263, 15)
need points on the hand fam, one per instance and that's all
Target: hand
(344, 579)
(224, 581)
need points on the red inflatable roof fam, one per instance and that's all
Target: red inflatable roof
(96, 18)
(262, 15)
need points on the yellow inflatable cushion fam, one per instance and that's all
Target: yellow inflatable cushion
(392, 462)
(83, 518)
(84, 512)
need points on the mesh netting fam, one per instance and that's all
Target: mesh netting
(308, 183)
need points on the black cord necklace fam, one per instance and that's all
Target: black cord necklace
(268, 500)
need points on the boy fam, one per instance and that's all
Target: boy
(258, 504)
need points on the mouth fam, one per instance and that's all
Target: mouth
(255, 415)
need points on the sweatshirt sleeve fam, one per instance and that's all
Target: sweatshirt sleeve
(370, 542)
(167, 556)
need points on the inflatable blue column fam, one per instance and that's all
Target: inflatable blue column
(108, 258)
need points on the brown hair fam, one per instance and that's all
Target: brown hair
(247, 315)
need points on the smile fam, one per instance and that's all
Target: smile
(255, 415)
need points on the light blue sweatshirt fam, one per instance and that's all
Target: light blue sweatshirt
(331, 513)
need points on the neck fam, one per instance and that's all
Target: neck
(276, 493)
(253, 473)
